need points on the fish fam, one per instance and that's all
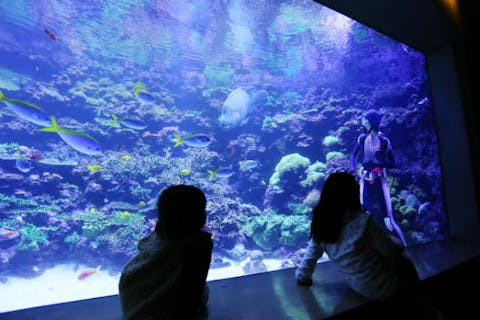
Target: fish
(141, 204)
(142, 94)
(93, 210)
(26, 111)
(238, 104)
(185, 172)
(23, 165)
(125, 214)
(35, 156)
(9, 234)
(126, 157)
(51, 35)
(198, 140)
(94, 168)
(248, 164)
(87, 273)
(223, 173)
(79, 141)
(134, 124)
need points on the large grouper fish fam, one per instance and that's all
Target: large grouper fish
(239, 103)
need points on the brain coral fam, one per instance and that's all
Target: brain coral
(290, 166)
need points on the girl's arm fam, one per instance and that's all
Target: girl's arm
(383, 243)
(304, 272)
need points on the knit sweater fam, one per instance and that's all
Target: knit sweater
(167, 277)
(363, 253)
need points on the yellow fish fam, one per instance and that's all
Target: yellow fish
(126, 157)
(94, 168)
(125, 214)
(185, 172)
(141, 204)
(93, 210)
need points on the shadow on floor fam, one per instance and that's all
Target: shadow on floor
(454, 292)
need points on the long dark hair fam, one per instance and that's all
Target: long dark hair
(340, 193)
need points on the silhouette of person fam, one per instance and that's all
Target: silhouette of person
(167, 278)
(374, 152)
(370, 259)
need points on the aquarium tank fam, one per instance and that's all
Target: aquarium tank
(103, 104)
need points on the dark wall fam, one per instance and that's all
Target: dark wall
(448, 40)
(467, 55)
(457, 173)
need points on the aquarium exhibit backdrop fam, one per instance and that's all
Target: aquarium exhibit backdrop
(105, 103)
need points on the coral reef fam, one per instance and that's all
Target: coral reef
(271, 230)
(93, 209)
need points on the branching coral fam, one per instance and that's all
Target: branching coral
(123, 241)
(32, 238)
(130, 230)
(72, 238)
(15, 202)
(93, 224)
(8, 149)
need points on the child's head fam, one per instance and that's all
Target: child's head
(340, 194)
(341, 191)
(181, 211)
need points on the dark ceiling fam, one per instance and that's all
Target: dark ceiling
(417, 23)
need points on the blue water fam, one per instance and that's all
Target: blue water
(299, 77)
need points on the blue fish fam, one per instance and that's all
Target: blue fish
(143, 95)
(134, 124)
(79, 141)
(248, 164)
(198, 140)
(23, 165)
(223, 173)
(26, 111)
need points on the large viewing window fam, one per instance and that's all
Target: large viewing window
(105, 103)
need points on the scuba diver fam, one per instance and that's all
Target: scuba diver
(374, 152)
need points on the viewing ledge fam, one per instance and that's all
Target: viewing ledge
(276, 295)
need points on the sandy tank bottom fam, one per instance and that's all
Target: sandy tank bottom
(60, 284)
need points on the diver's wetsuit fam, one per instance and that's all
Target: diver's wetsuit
(376, 156)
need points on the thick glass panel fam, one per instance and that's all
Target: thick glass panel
(100, 100)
